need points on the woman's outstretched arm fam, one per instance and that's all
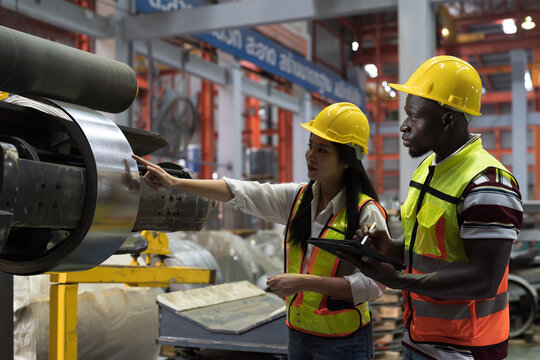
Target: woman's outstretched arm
(156, 177)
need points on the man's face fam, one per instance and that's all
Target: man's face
(423, 128)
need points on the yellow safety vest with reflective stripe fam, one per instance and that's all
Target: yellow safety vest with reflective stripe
(433, 243)
(307, 311)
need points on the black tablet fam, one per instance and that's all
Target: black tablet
(354, 248)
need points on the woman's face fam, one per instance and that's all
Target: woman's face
(322, 160)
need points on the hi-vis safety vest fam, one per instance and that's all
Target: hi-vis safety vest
(307, 311)
(433, 243)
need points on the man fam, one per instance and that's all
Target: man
(463, 212)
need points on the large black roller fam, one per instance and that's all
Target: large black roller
(30, 65)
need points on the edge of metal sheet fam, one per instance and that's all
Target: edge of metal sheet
(117, 202)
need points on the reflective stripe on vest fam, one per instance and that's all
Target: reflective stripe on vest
(307, 311)
(433, 243)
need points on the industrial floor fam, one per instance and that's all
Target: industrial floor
(519, 350)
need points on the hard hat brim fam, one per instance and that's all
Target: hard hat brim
(419, 93)
(320, 134)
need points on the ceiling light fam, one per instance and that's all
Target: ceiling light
(371, 69)
(355, 45)
(528, 24)
(484, 90)
(445, 32)
(392, 93)
(528, 81)
(509, 26)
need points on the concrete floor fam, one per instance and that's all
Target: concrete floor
(518, 350)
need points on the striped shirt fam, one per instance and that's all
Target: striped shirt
(490, 208)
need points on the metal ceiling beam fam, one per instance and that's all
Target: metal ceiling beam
(496, 18)
(502, 69)
(64, 15)
(502, 97)
(176, 58)
(494, 45)
(234, 15)
(270, 95)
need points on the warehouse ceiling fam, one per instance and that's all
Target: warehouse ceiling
(474, 31)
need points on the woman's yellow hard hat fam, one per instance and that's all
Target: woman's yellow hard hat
(343, 123)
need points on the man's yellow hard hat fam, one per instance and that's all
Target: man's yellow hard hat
(343, 123)
(448, 80)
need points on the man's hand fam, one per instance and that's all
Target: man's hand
(156, 177)
(377, 239)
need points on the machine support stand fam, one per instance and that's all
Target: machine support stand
(63, 322)
(6, 316)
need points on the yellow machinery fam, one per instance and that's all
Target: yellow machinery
(63, 294)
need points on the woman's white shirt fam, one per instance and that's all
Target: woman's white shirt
(273, 202)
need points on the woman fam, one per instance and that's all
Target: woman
(327, 299)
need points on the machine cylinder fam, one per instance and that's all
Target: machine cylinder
(30, 65)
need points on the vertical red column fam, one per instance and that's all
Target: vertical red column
(83, 41)
(284, 146)
(535, 77)
(252, 134)
(208, 136)
(143, 121)
(379, 116)
(537, 162)
(206, 114)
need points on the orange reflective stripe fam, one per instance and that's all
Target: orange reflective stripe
(311, 259)
(381, 209)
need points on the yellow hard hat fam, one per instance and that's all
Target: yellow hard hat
(449, 80)
(343, 123)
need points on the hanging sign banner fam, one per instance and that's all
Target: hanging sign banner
(247, 44)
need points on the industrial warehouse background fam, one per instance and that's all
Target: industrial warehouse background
(218, 90)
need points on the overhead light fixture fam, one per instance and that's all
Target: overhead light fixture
(355, 45)
(392, 94)
(445, 32)
(528, 23)
(528, 81)
(371, 69)
(484, 90)
(509, 26)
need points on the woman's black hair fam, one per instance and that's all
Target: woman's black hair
(356, 182)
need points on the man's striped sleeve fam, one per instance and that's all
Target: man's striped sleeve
(490, 207)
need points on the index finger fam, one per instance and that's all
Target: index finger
(140, 160)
